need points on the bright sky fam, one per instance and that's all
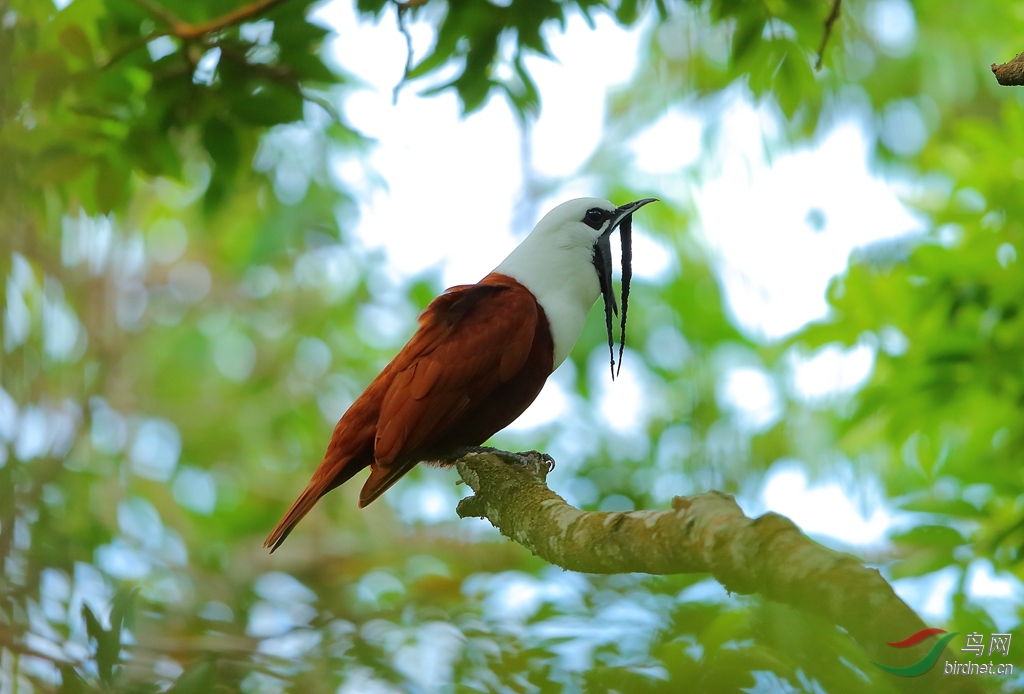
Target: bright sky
(779, 228)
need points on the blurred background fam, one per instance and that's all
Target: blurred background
(219, 221)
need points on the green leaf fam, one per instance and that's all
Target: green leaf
(268, 104)
(747, 36)
(51, 77)
(608, 679)
(930, 536)
(112, 186)
(627, 11)
(198, 679)
(71, 682)
(108, 646)
(310, 70)
(794, 79)
(374, 7)
(75, 41)
(92, 625)
(922, 562)
(445, 45)
(433, 60)
(221, 142)
(60, 166)
(122, 610)
(153, 152)
(949, 507)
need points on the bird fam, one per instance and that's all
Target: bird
(480, 356)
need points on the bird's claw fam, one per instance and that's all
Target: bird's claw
(539, 457)
(528, 459)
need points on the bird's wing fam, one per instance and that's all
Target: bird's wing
(471, 340)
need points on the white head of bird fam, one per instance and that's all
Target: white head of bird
(565, 262)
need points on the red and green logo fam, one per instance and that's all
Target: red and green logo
(924, 664)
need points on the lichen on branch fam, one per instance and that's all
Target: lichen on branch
(704, 533)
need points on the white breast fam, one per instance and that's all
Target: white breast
(564, 282)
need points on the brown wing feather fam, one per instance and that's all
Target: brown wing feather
(476, 344)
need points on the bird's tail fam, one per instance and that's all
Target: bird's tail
(307, 499)
(317, 487)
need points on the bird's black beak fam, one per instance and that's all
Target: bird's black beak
(623, 220)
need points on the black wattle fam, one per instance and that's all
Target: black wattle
(603, 264)
(626, 236)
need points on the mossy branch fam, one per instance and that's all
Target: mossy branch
(704, 533)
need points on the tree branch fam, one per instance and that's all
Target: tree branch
(829, 21)
(705, 533)
(401, 8)
(1010, 74)
(230, 19)
(159, 11)
(188, 32)
(185, 31)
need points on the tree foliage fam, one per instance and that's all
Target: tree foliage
(186, 313)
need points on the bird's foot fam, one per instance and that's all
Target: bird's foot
(537, 463)
(536, 457)
(529, 459)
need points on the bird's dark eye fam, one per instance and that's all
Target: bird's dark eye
(595, 217)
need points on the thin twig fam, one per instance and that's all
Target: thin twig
(188, 32)
(159, 11)
(829, 21)
(230, 19)
(132, 46)
(400, 10)
(1010, 74)
(185, 31)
